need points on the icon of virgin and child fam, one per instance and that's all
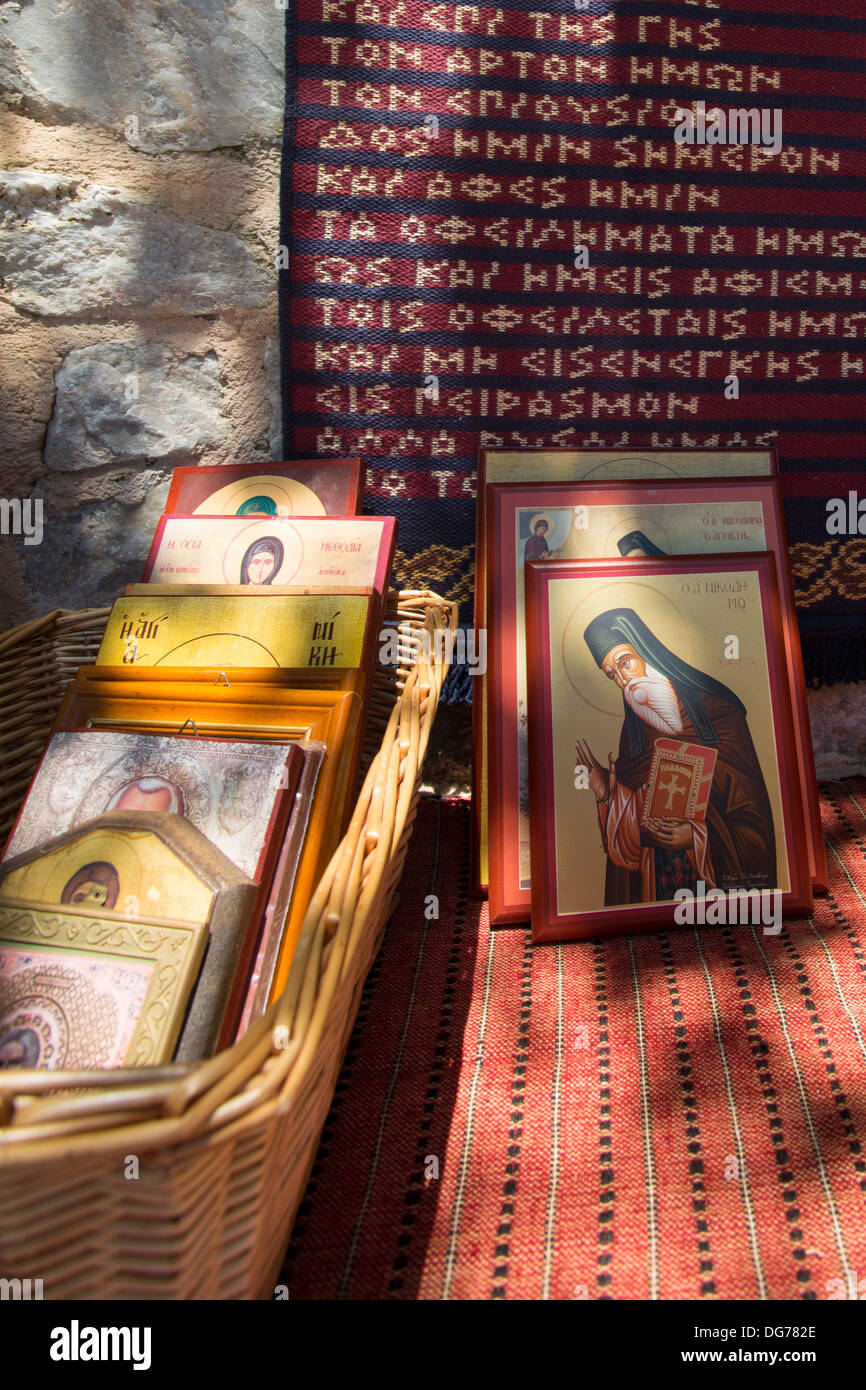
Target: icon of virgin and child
(536, 547)
(648, 859)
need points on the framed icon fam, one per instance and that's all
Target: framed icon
(572, 465)
(616, 520)
(662, 758)
(303, 487)
(307, 553)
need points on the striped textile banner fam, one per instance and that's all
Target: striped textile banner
(496, 239)
(670, 1116)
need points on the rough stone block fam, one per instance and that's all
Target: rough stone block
(75, 250)
(131, 403)
(186, 76)
(87, 557)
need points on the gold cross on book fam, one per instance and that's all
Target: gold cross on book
(672, 786)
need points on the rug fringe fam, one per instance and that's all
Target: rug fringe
(832, 659)
(458, 686)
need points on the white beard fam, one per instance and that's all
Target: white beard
(654, 700)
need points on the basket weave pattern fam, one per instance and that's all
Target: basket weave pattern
(183, 1182)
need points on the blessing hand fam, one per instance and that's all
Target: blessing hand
(601, 781)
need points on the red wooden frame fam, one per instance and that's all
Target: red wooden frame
(508, 902)
(479, 879)
(338, 483)
(548, 924)
(311, 527)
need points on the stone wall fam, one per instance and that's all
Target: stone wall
(139, 175)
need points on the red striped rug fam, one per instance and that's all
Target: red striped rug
(672, 1116)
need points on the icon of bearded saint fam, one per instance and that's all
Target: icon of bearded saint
(664, 697)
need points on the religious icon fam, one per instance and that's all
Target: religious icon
(80, 989)
(126, 862)
(262, 560)
(540, 466)
(308, 553)
(302, 487)
(234, 791)
(267, 630)
(147, 794)
(636, 543)
(616, 521)
(156, 872)
(661, 750)
(226, 712)
(92, 886)
(257, 506)
(729, 843)
(536, 546)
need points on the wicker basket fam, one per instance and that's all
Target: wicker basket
(183, 1182)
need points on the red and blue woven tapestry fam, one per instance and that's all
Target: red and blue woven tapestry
(496, 239)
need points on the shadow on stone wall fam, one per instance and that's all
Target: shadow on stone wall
(139, 168)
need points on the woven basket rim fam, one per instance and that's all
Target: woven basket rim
(44, 1115)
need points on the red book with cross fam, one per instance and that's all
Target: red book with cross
(680, 778)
